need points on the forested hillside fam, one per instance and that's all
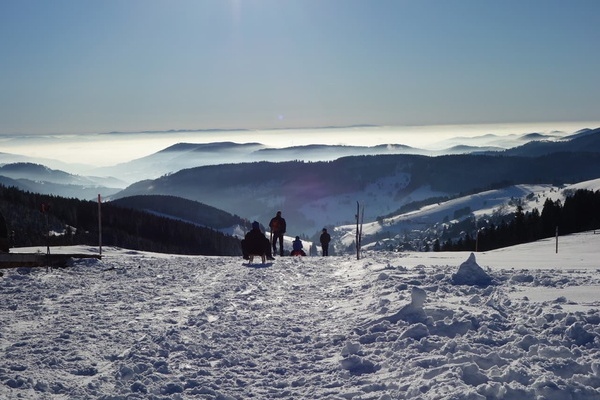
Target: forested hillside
(580, 212)
(313, 195)
(185, 210)
(30, 216)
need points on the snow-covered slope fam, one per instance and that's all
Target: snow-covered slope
(388, 326)
(480, 205)
(592, 185)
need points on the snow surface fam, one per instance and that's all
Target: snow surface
(140, 325)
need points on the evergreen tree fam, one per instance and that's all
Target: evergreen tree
(550, 216)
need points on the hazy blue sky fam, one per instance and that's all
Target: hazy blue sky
(96, 66)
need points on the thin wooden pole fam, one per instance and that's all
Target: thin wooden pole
(47, 234)
(360, 217)
(357, 232)
(99, 225)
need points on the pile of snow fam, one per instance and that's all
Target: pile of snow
(388, 326)
(470, 273)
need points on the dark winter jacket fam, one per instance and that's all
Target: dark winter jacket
(277, 225)
(255, 241)
(325, 238)
(297, 244)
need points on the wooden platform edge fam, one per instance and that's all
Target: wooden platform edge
(16, 260)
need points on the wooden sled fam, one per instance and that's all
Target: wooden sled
(263, 257)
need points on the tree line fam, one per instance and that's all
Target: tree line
(35, 219)
(580, 212)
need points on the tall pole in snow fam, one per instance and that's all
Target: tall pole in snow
(360, 217)
(557, 240)
(47, 235)
(99, 225)
(357, 232)
(44, 208)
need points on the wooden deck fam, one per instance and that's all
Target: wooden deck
(15, 260)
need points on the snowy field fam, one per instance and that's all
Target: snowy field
(388, 326)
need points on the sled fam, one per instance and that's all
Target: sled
(263, 257)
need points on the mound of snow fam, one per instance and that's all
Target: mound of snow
(470, 273)
(413, 312)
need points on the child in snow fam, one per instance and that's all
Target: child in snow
(297, 247)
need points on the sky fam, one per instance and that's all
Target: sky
(100, 66)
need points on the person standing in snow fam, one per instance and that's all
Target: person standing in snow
(278, 228)
(255, 242)
(325, 238)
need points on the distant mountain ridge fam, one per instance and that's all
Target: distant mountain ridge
(538, 136)
(189, 155)
(38, 172)
(192, 155)
(316, 192)
(322, 193)
(583, 141)
(582, 132)
(212, 146)
(41, 179)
